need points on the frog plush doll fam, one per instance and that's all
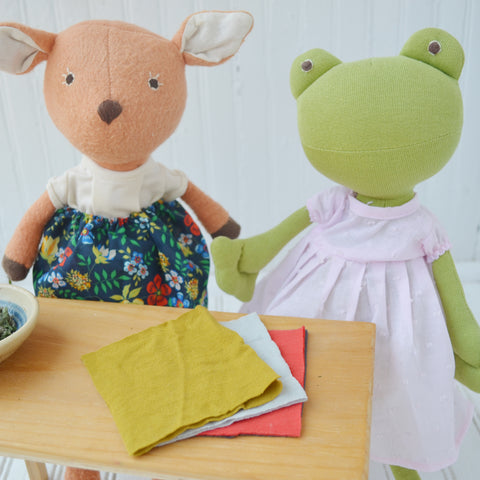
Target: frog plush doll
(378, 127)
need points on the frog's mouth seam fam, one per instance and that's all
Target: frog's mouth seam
(385, 149)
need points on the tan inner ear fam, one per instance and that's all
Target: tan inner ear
(210, 38)
(17, 49)
(22, 47)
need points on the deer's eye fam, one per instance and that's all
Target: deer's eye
(153, 82)
(68, 78)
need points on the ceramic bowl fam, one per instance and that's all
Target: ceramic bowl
(23, 306)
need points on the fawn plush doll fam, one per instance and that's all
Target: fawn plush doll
(111, 228)
(378, 127)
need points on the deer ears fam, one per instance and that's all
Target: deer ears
(212, 37)
(22, 47)
(205, 38)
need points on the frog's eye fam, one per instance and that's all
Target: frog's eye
(436, 48)
(309, 67)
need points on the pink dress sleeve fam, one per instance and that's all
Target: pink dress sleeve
(436, 243)
(325, 207)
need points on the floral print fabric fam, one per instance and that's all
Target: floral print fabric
(157, 257)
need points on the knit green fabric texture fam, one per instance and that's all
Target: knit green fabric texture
(462, 325)
(401, 473)
(449, 56)
(382, 125)
(237, 262)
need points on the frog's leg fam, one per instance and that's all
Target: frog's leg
(401, 473)
(462, 326)
(467, 374)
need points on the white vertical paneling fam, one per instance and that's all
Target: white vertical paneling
(388, 28)
(281, 176)
(20, 142)
(69, 13)
(146, 14)
(353, 35)
(238, 138)
(215, 101)
(468, 245)
(108, 9)
(249, 159)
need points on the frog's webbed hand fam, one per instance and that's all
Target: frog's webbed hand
(237, 262)
(462, 326)
(226, 254)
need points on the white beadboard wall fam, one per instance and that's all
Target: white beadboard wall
(238, 138)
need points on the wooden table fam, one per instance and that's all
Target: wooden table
(51, 411)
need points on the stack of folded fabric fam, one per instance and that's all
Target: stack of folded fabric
(254, 334)
(190, 375)
(286, 421)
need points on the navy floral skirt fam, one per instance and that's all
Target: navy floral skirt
(157, 256)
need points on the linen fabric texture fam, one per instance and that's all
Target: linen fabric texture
(99, 191)
(255, 334)
(373, 264)
(178, 375)
(286, 421)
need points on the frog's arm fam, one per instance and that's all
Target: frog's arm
(237, 262)
(462, 326)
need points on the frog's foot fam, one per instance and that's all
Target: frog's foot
(401, 473)
(467, 374)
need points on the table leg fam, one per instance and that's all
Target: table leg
(36, 470)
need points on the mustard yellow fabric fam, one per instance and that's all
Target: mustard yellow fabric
(178, 375)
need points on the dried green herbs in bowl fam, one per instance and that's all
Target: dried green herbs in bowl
(18, 317)
(8, 325)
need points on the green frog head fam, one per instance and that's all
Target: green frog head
(382, 125)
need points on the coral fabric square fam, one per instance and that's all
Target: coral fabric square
(287, 421)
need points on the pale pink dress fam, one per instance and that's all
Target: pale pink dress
(373, 264)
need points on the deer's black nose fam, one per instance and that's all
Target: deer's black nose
(109, 110)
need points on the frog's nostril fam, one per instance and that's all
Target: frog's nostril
(109, 110)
